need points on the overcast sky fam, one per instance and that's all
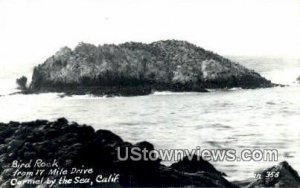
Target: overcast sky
(32, 30)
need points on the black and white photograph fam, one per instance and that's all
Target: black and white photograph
(149, 93)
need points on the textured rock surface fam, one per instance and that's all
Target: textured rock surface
(137, 68)
(75, 145)
(281, 175)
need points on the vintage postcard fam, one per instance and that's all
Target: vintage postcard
(149, 93)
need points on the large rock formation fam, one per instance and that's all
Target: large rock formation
(80, 146)
(137, 68)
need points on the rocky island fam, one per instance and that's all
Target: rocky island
(66, 149)
(139, 69)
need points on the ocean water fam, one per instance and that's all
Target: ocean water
(232, 119)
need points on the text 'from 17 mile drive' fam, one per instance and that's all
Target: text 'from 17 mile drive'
(38, 172)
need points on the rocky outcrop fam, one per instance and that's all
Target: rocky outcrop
(298, 79)
(137, 69)
(281, 175)
(80, 146)
(21, 82)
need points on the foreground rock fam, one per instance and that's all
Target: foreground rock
(73, 145)
(281, 175)
(138, 69)
(81, 147)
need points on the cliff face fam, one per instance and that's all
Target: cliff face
(163, 65)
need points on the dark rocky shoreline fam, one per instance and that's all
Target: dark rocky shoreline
(74, 145)
(133, 68)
